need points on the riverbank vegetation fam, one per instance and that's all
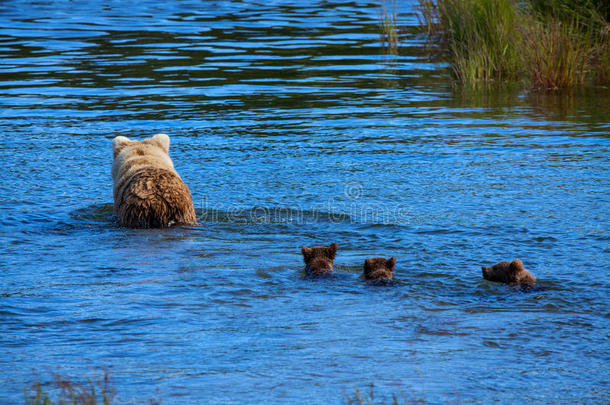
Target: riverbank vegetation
(547, 44)
(388, 27)
(369, 397)
(64, 391)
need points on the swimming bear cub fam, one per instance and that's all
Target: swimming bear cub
(379, 270)
(512, 273)
(148, 192)
(319, 259)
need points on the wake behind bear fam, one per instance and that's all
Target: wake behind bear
(148, 192)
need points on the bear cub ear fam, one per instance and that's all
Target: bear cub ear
(332, 250)
(163, 141)
(306, 251)
(515, 266)
(118, 143)
(391, 263)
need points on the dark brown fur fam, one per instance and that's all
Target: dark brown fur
(319, 259)
(512, 273)
(154, 198)
(379, 268)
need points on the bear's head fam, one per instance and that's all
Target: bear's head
(128, 154)
(508, 272)
(159, 141)
(379, 268)
(319, 259)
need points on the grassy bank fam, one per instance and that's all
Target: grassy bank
(547, 44)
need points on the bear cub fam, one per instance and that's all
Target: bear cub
(379, 271)
(512, 273)
(319, 259)
(148, 192)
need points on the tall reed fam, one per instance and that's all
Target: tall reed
(554, 55)
(388, 20)
(479, 37)
(548, 44)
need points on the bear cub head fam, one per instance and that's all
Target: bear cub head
(379, 269)
(319, 259)
(512, 273)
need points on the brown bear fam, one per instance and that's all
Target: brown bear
(512, 273)
(148, 192)
(379, 270)
(319, 259)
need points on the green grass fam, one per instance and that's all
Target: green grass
(554, 55)
(548, 44)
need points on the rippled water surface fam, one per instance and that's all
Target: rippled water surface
(293, 126)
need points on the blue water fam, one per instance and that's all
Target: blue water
(293, 126)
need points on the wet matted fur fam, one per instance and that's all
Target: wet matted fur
(512, 273)
(379, 268)
(319, 259)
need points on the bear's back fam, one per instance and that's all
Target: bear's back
(153, 198)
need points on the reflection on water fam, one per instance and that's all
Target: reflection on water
(293, 127)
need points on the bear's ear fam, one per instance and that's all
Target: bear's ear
(306, 251)
(515, 266)
(118, 144)
(391, 263)
(163, 141)
(332, 250)
(368, 263)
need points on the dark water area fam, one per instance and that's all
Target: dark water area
(292, 126)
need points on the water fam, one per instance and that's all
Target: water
(292, 127)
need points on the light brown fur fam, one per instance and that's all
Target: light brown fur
(148, 192)
(512, 273)
(379, 268)
(319, 259)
